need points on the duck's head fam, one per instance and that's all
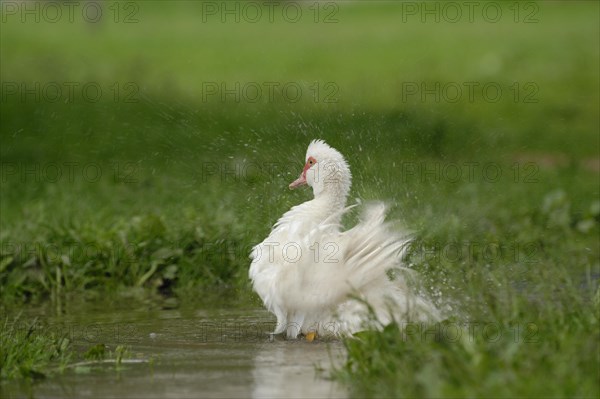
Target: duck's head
(325, 170)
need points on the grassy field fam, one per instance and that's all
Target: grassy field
(143, 155)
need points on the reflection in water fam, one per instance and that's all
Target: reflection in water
(196, 353)
(284, 369)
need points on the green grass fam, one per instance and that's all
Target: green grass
(28, 352)
(187, 186)
(31, 350)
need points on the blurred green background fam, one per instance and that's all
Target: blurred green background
(193, 117)
(138, 157)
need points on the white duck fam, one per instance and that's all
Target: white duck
(318, 279)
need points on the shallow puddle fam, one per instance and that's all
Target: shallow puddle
(187, 353)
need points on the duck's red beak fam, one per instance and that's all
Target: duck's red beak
(298, 182)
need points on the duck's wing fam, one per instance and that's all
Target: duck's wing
(335, 264)
(371, 247)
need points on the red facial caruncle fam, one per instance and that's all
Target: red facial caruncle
(302, 179)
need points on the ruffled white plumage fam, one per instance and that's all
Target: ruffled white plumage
(317, 278)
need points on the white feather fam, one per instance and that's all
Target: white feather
(315, 277)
